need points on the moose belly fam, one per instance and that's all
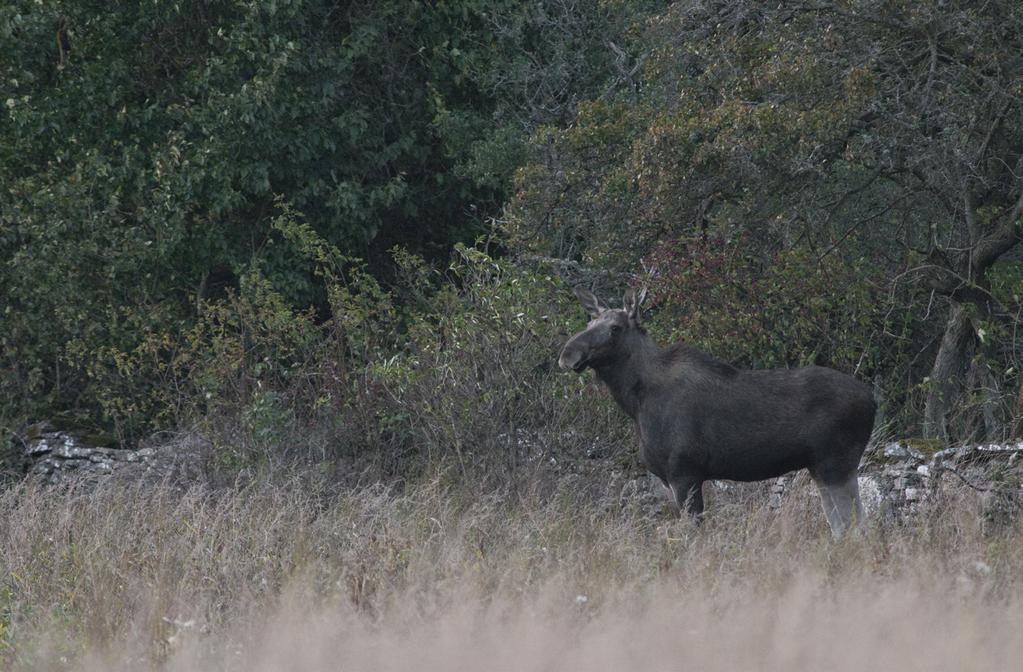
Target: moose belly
(755, 462)
(762, 447)
(724, 451)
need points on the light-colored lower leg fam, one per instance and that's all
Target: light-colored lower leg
(841, 504)
(859, 503)
(676, 509)
(830, 507)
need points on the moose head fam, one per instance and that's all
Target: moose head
(608, 335)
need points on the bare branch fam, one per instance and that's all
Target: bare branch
(999, 241)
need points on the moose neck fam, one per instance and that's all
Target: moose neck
(631, 374)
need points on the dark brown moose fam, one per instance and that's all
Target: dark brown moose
(699, 418)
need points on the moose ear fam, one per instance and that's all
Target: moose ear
(632, 301)
(590, 302)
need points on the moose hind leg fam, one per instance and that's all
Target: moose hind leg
(672, 500)
(688, 495)
(841, 503)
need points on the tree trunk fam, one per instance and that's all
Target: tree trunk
(1017, 421)
(962, 278)
(950, 366)
(990, 396)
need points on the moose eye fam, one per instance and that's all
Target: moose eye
(615, 329)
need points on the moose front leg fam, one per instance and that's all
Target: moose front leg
(688, 495)
(841, 503)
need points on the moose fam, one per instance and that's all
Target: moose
(699, 418)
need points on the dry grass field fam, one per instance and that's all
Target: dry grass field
(286, 576)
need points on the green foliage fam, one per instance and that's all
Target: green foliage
(266, 420)
(475, 378)
(784, 170)
(835, 153)
(144, 146)
(463, 373)
(789, 309)
(1007, 281)
(925, 446)
(574, 197)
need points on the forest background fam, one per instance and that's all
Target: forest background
(313, 230)
(323, 252)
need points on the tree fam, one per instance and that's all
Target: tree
(865, 130)
(144, 148)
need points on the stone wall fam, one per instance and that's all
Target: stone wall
(53, 455)
(896, 479)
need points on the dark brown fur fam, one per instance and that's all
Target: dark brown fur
(699, 418)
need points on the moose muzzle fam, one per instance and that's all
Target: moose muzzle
(572, 357)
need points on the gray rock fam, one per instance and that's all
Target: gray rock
(52, 454)
(777, 492)
(38, 447)
(71, 450)
(870, 494)
(1000, 504)
(45, 466)
(895, 450)
(75, 463)
(1001, 447)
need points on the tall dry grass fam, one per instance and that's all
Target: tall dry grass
(286, 576)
